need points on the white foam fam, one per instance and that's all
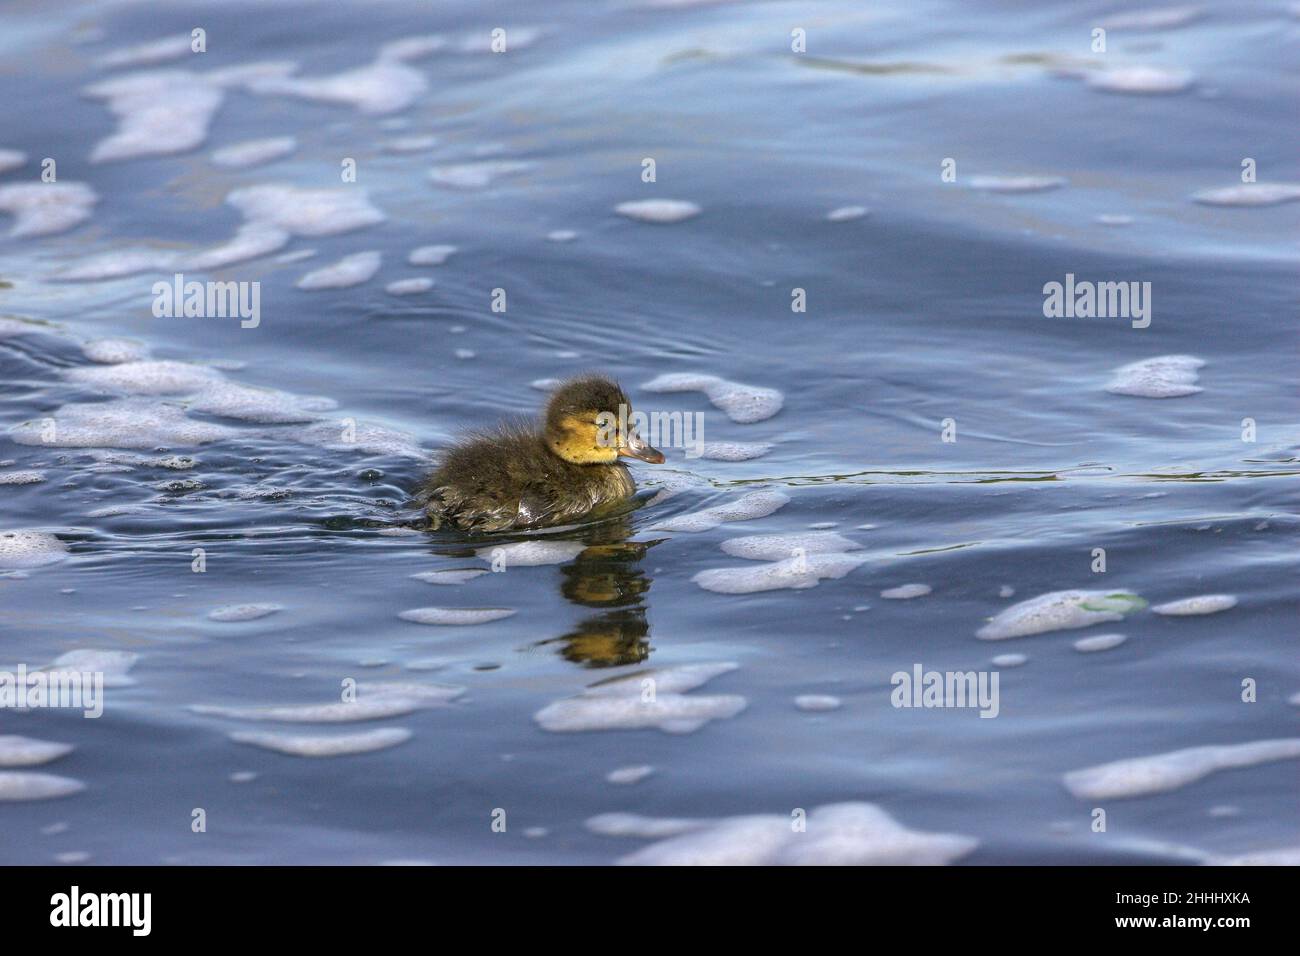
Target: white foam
(298, 255)
(636, 825)
(1165, 376)
(626, 703)
(306, 212)
(231, 613)
(1138, 776)
(146, 377)
(816, 703)
(777, 547)
(855, 834)
(1058, 611)
(384, 86)
(1099, 642)
(18, 751)
(1161, 18)
(1140, 80)
(754, 504)
(410, 144)
(254, 404)
(1282, 856)
(1016, 184)
(147, 54)
(115, 351)
(373, 702)
(1201, 604)
(349, 271)
(114, 665)
(158, 113)
(626, 776)
(658, 210)
(478, 175)
(29, 549)
(303, 745)
(11, 159)
(671, 680)
(25, 785)
(254, 152)
(1009, 660)
(413, 47)
(742, 403)
(905, 592)
(797, 572)
(431, 255)
(529, 554)
(43, 209)
(847, 213)
(118, 263)
(409, 286)
(364, 437)
(1249, 194)
(127, 423)
(450, 576)
(21, 477)
(561, 235)
(734, 450)
(671, 713)
(456, 616)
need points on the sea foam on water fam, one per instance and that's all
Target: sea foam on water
(853, 834)
(1060, 610)
(625, 704)
(741, 403)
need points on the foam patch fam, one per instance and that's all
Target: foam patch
(1139, 776)
(456, 616)
(1058, 611)
(660, 211)
(742, 403)
(853, 834)
(29, 549)
(309, 745)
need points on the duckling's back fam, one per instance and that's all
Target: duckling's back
(509, 479)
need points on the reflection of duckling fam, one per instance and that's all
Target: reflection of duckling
(613, 639)
(522, 477)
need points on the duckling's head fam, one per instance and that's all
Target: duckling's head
(589, 422)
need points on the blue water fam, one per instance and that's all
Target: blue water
(929, 308)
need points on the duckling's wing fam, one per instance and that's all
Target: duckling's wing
(479, 512)
(542, 503)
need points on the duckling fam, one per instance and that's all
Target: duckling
(522, 476)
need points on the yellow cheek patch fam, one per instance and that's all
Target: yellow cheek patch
(585, 442)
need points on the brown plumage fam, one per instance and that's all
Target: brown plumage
(525, 476)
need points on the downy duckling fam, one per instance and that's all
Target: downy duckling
(520, 476)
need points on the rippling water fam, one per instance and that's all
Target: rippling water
(924, 323)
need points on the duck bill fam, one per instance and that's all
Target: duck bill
(636, 448)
